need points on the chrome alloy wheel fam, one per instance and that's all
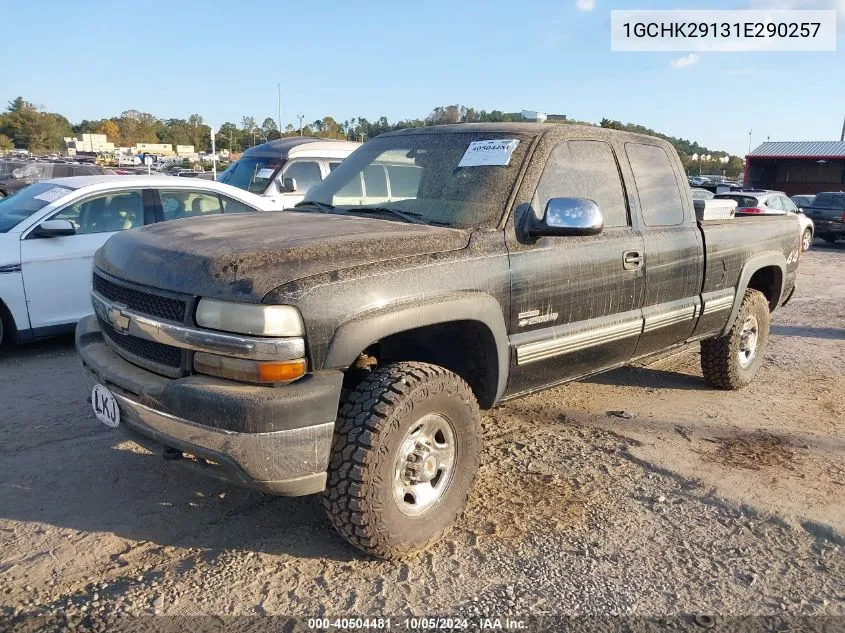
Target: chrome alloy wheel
(748, 341)
(424, 465)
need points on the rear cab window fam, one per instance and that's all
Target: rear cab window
(657, 185)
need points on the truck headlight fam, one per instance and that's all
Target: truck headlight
(249, 318)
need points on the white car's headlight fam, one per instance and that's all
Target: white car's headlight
(249, 318)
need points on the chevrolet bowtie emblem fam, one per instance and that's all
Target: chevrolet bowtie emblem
(119, 321)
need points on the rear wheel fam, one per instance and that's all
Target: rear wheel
(404, 458)
(732, 361)
(807, 240)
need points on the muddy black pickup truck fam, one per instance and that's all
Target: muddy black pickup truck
(345, 347)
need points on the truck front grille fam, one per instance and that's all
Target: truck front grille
(157, 357)
(144, 302)
(160, 358)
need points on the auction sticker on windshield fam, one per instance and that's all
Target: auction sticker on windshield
(492, 152)
(105, 406)
(51, 195)
(264, 174)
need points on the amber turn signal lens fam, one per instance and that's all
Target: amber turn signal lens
(250, 370)
(283, 371)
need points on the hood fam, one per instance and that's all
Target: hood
(243, 257)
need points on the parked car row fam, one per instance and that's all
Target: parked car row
(23, 174)
(50, 231)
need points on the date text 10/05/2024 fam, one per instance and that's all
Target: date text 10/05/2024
(422, 623)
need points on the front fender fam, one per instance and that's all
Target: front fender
(358, 333)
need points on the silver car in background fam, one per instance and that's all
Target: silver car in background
(771, 202)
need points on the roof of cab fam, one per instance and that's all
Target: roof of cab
(531, 129)
(282, 147)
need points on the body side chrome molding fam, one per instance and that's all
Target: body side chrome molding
(672, 317)
(10, 268)
(541, 350)
(718, 304)
(128, 321)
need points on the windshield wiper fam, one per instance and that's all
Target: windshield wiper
(413, 218)
(313, 203)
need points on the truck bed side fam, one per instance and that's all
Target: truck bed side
(759, 252)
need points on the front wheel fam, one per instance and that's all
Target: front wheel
(807, 240)
(732, 361)
(404, 458)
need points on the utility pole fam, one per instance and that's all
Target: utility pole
(300, 117)
(279, 86)
(842, 136)
(749, 140)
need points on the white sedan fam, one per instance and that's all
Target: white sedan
(50, 230)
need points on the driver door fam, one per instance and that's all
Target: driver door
(57, 270)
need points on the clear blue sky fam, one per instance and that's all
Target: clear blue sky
(222, 59)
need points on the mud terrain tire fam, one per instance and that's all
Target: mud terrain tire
(377, 422)
(726, 361)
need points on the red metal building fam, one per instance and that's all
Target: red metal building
(796, 167)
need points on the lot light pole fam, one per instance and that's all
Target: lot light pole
(300, 117)
(842, 136)
(213, 154)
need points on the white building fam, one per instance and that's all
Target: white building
(532, 115)
(88, 143)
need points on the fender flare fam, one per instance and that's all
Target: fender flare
(755, 263)
(364, 329)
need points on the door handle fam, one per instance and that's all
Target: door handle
(632, 260)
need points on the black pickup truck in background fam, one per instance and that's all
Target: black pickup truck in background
(346, 347)
(828, 214)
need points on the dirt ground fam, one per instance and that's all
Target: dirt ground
(641, 492)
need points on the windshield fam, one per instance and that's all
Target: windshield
(252, 173)
(830, 200)
(17, 208)
(420, 176)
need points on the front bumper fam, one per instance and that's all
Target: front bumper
(275, 439)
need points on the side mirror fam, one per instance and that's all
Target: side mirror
(800, 209)
(53, 228)
(567, 216)
(289, 185)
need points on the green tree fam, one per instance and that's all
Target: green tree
(268, 127)
(199, 133)
(6, 144)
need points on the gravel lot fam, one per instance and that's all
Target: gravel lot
(640, 493)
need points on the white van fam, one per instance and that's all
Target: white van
(285, 169)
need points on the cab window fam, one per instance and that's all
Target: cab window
(584, 169)
(305, 172)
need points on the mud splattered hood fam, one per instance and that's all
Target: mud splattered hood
(243, 257)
